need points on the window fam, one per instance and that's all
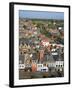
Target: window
(39, 65)
(56, 65)
(61, 65)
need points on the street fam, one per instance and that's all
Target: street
(33, 75)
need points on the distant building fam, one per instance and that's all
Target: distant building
(54, 33)
(60, 28)
(24, 48)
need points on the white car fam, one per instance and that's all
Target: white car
(44, 69)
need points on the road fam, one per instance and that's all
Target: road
(33, 75)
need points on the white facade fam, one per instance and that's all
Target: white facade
(21, 66)
(51, 64)
(56, 64)
(42, 68)
(39, 66)
(59, 65)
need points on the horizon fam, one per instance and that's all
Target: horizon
(28, 14)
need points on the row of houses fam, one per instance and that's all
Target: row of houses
(53, 66)
(36, 52)
(55, 49)
(32, 58)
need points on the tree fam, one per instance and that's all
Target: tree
(24, 26)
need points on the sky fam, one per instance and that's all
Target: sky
(40, 14)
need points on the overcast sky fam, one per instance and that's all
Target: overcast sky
(40, 14)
